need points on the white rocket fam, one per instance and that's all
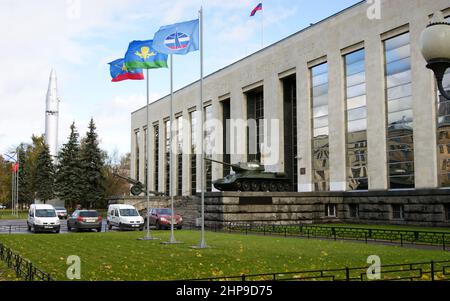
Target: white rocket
(51, 116)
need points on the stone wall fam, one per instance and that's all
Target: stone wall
(420, 207)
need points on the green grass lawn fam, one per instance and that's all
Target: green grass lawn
(7, 274)
(119, 256)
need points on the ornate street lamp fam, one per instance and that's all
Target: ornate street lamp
(435, 47)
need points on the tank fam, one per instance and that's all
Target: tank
(251, 176)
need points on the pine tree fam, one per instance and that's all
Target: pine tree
(45, 176)
(92, 164)
(69, 175)
(26, 193)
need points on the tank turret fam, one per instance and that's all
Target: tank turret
(251, 176)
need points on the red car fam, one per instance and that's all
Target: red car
(161, 217)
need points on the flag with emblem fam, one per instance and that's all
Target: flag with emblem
(141, 55)
(179, 38)
(119, 72)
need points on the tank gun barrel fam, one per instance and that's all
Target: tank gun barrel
(220, 162)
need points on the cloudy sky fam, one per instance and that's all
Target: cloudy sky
(79, 37)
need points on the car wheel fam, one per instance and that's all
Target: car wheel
(29, 227)
(99, 229)
(109, 226)
(158, 226)
(69, 228)
(180, 227)
(58, 231)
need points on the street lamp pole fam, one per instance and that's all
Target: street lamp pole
(435, 47)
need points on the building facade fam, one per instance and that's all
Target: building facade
(356, 110)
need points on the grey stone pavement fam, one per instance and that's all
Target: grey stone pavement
(19, 226)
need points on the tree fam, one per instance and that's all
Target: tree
(45, 176)
(26, 192)
(115, 186)
(5, 181)
(92, 164)
(69, 175)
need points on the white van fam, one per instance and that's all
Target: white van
(43, 218)
(124, 217)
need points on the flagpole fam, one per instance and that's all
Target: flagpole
(148, 235)
(13, 186)
(16, 212)
(202, 153)
(172, 233)
(262, 27)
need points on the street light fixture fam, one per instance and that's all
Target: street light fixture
(435, 47)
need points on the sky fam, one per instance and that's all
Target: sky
(79, 37)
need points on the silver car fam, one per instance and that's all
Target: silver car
(61, 212)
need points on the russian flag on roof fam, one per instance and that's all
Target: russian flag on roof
(257, 8)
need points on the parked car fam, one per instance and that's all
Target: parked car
(43, 218)
(85, 220)
(2, 206)
(61, 212)
(161, 217)
(124, 217)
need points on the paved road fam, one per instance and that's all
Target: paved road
(20, 226)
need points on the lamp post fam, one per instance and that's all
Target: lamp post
(435, 47)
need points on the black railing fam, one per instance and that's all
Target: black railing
(401, 237)
(24, 268)
(424, 271)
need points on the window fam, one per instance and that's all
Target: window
(156, 156)
(398, 212)
(180, 156)
(167, 149)
(320, 143)
(290, 129)
(356, 108)
(193, 119)
(255, 115)
(226, 115)
(354, 210)
(400, 142)
(443, 132)
(330, 210)
(209, 146)
(137, 140)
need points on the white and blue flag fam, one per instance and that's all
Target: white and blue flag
(179, 38)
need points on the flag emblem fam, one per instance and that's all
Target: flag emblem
(145, 53)
(177, 41)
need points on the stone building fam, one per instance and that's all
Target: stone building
(359, 117)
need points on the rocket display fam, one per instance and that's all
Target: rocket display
(52, 116)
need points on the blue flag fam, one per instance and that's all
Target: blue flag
(179, 38)
(141, 55)
(119, 72)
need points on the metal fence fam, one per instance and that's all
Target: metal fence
(424, 271)
(24, 268)
(401, 237)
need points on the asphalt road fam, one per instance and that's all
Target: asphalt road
(19, 226)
